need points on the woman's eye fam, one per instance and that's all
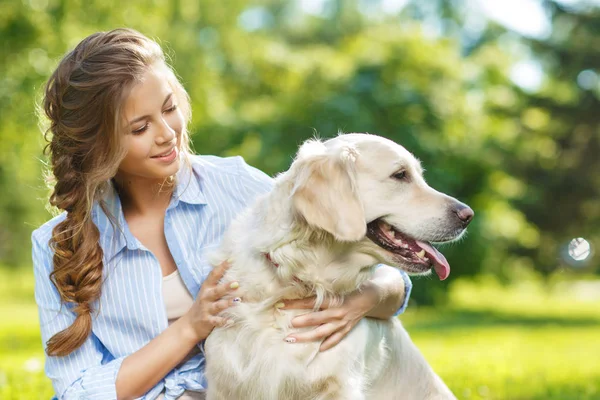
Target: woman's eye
(140, 130)
(145, 127)
(400, 175)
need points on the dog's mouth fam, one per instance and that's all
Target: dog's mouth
(421, 256)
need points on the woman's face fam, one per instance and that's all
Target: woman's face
(154, 124)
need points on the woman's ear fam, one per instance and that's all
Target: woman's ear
(325, 193)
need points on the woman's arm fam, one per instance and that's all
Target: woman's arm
(391, 290)
(82, 373)
(379, 298)
(143, 369)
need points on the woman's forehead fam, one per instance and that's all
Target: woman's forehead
(148, 94)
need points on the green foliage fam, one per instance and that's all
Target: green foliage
(263, 77)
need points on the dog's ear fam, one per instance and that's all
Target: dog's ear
(325, 193)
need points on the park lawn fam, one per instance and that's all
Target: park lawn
(21, 355)
(510, 358)
(487, 342)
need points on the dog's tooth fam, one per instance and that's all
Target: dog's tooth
(421, 254)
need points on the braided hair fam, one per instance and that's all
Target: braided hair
(83, 102)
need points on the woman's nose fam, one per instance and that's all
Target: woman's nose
(166, 133)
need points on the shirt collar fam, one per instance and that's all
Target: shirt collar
(114, 238)
(189, 180)
(114, 235)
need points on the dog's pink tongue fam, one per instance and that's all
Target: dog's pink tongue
(442, 268)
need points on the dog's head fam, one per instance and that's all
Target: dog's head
(361, 187)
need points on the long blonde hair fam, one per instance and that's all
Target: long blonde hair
(83, 101)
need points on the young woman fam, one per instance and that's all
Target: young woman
(124, 292)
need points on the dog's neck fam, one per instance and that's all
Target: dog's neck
(310, 262)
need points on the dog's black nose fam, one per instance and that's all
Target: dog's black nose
(464, 213)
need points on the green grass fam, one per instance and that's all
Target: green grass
(525, 341)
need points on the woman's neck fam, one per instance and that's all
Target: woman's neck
(142, 196)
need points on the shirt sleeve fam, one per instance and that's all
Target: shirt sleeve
(407, 290)
(90, 372)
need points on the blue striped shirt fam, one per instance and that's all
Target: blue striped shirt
(132, 311)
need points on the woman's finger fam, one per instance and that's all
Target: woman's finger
(334, 339)
(221, 290)
(218, 321)
(218, 306)
(308, 302)
(317, 318)
(216, 274)
(319, 333)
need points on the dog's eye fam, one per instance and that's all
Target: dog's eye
(401, 176)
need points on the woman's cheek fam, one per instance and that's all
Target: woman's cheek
(141, 147)
(176, 122)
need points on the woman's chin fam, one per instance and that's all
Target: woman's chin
(164, 170)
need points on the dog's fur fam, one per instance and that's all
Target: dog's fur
(313, 225)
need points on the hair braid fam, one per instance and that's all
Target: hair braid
(82, 101)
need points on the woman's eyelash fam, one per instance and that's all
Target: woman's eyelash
(140, 130)
(143, 128)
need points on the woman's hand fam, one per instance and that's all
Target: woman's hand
(212, 298)
(333, 323)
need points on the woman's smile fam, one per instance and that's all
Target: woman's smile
(168, 157)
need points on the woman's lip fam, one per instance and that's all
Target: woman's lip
(169, 158)
(164, 154)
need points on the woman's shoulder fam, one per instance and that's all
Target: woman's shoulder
(233, 165)
(40, 247)
(247, 181)
(44, 232)
(217, 164)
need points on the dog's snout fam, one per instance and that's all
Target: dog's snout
(464, 213)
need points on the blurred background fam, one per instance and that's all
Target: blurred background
(500, 100)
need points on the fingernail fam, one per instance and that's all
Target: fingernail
(237, 299)
(229, 261)
(229, 322)
(290, 339)
(280, 305)
(274, 325)
(234, 285)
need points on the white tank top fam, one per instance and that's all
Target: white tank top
(178, 301)
(177, 297)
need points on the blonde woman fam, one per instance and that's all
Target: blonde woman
(124, 291)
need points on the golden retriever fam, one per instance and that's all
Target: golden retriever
(344, 205)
